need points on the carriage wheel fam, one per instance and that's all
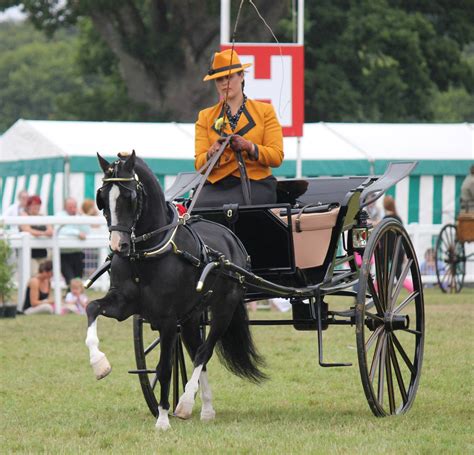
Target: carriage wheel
(450, 260)
(147, 355)
(390, 320)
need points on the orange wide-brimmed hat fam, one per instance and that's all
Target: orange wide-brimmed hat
(221, 64)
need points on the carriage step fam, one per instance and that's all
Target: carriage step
(141, 371)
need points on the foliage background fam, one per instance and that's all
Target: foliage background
(143, 60)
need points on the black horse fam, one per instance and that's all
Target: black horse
(158, 259)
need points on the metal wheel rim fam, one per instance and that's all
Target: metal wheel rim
(148, 386)
(400, 372)
(450, 253)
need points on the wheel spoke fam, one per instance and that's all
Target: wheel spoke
(403, 354)
(413, 332)
(379, 278)
(369, 304)
(373, 316)
(376, 357)
(383, 355)
(400, 281)
(393, 270)
(398, 373)
(375, 334)
(385, 269)
(402, 305)
(154, 382)
(152, 346)
(375, 296)
(388, 372)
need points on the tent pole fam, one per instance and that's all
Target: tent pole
(225, 21)
(67, 178)
(299, 162)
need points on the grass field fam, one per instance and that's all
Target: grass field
(51, 403)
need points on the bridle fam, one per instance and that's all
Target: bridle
(138, 201)
(176, 220)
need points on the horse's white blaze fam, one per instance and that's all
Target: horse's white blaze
(186, 402)
(114, 235)
(207, 411)
(163, 422)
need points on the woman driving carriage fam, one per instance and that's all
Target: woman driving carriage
(256, 136)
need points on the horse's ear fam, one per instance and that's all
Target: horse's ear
(104, 164)
(130, 162)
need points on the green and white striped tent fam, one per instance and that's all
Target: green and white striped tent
(58, 158)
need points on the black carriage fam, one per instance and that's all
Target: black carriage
(317, 242)
(450, 255)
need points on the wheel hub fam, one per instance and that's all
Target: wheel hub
(396, 322)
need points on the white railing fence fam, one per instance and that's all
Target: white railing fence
(423, 237)
(22, 243)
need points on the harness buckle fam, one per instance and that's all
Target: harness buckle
(132, 239)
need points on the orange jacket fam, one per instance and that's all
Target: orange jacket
(258, 124)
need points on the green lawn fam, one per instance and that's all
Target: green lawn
(50, 401)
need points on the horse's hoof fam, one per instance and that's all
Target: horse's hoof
(162, 425)
(101, 368)
(184, 409)
(208, 415)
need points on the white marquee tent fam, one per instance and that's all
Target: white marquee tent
(57, 158)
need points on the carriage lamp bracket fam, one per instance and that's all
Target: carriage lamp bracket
(361, 231)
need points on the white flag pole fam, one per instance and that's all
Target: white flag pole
(300, 41)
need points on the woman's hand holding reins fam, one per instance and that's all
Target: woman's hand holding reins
(214, 148)
(238, 143)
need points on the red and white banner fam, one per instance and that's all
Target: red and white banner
(276, 76)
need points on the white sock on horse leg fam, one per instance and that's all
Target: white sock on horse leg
(98, 360)
(163, 422)
(207, 411)
(186, 402)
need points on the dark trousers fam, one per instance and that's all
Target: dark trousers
(72, 265)
(229, 191)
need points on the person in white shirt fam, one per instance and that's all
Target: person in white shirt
(19, 207)
(72, 259)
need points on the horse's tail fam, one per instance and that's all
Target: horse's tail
(236, 349)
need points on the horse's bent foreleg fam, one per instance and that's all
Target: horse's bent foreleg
(99, 363)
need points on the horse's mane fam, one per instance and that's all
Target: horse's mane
(147, 176)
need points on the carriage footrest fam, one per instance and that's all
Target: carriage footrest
(141, 371)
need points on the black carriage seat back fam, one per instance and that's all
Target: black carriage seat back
(321, 190)
(312, 227)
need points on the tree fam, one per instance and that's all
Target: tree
(365, 60)
(161, 47)
(33, 70)
(40, 79)
(381, 60)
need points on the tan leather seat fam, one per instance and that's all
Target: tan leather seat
(312, 242)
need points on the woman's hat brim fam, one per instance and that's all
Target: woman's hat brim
(223, 73)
